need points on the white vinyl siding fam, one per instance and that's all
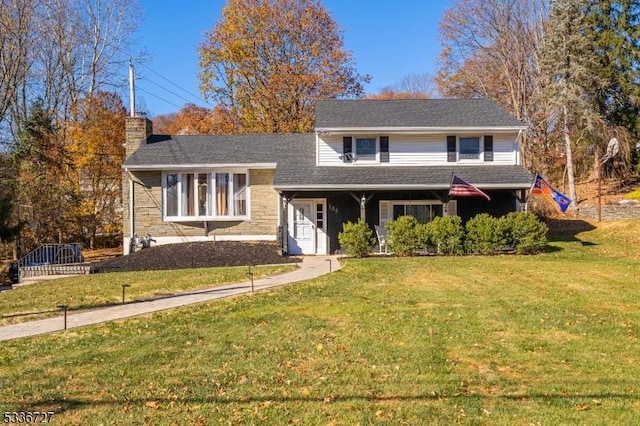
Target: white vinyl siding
(418, 150)
(504, 149)
(330, 151)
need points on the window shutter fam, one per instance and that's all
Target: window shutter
(384, 149)
(452, 208)
(384, 212)
(488, 148)
(347, 149)
(451, 149)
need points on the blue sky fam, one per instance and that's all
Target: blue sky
(388, 39)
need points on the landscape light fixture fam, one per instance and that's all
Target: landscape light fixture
(124, 286)
(64, 309)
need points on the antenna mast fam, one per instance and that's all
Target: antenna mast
(132, 91)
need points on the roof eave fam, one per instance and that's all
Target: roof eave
(197, 166)
(420, 130)
(391, 187)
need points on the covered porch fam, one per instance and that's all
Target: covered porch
(310, 221)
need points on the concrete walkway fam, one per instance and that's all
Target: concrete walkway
(311, 267)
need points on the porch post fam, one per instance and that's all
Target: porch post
(363, 200)
(284, 225)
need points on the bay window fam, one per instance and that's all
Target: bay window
(205, 196)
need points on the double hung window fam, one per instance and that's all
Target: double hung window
(210, 196)
(365, 149)
(469, 148)
(423, 212)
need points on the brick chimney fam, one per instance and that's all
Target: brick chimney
(138, 131)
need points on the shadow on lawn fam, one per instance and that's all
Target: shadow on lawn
(62, 405)
(566, 230)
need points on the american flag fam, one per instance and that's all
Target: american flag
(462, 188)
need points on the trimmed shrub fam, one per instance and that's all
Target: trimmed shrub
(405, 235)
(526, 233)
(485, 234)
(446, 234)
(356, 238)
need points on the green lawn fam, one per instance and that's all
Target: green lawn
(549, 339)
(89, 291)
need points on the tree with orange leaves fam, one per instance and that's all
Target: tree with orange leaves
(196, 120)
(268, 61)
(97, 154)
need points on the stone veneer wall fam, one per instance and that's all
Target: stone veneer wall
(148, 211)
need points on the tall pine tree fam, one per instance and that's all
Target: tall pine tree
(614, 28)
(565, 62)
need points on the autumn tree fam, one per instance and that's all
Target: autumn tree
(567, 56)
(490, 49)
(411, 86)
(65, 49)
(15, 23)
(268, 61)
(98, 155)
(42, 167)
(196, 120)
(9, 226)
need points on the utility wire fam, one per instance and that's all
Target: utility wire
(167, 90)
(157, 97)
(179, 87)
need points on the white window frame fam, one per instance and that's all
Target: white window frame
(211, 206)
(391, 203)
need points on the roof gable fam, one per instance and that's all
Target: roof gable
(406, 113)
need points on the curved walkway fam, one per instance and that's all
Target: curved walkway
(311, 267)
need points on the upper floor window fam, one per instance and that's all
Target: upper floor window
(365, 149)
(202, 196)
(469, 149)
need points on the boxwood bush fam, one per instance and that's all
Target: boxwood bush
(356, 238)
(405, 235)
(486, 234)
(446, 234)
(525, 232)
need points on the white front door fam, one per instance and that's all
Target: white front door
(307, 223)
(301, 228)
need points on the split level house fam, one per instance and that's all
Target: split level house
(369, 159)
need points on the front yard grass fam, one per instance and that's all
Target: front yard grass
(90, 291)
(548, 339)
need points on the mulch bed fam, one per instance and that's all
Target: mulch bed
(196, 255)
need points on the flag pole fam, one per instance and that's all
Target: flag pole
(599, 177)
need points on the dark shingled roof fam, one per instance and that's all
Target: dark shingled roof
(337, 114)
(216, 149)
(300, 172)
(295, 157)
